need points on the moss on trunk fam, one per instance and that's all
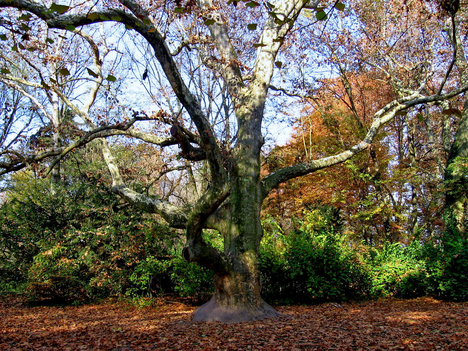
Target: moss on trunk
(236, 299)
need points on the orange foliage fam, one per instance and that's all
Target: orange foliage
(339, 122)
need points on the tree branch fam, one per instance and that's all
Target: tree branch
(382, 117)
(175, 216)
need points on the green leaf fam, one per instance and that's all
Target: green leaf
(104, 17)
(146, 21)
(25, 27)
(59, 8)
(179, 10)
(340, 6)
(49, 40)
(91, 73)
(209, 22)
(64, 72)
(321, 15)
(252, 4)
(129, 27)
(272, 14)
(279, 22)
(25, 17)
(111, 78)
(5, 71)
(258, 45)
(70, 27)
(3, 37)
(278, 64)
(252, 26)
(14, 48)
(270, 5)
(93, 16)
(116, 18)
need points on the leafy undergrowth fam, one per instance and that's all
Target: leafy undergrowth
(418, 324)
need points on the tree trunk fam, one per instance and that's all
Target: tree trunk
(236, 298)
(455, 174)
(455, 177)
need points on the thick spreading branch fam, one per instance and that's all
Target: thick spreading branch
(175, 216)
(197, 250)
(189, 152)
(19, 161)
(280, 22)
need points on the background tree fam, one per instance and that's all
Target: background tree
(397, 188)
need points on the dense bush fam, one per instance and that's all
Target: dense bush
(154, 276)
(306, 266)
(447, 264)
(75, 244)
(398, 270)
(57, 275)
(75, 237)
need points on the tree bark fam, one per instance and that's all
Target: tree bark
(237, 296)
(456, 200)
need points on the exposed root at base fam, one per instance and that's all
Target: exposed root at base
(212, 311)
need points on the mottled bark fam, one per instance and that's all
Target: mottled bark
(456, 200)
(237, 296)
(456, 179)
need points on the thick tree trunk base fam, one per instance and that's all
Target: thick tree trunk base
(214, 311)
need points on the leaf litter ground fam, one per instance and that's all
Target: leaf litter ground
(389, 324)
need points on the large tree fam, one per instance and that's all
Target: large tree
(241, 45)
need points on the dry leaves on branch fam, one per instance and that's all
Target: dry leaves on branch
(418, 324)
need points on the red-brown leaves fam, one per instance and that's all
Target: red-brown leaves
(418, 324)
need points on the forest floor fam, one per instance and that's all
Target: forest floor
(388, 324)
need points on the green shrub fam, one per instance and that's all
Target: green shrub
(325, 269)
(398, 271)
(55, 277)
(447, 264)
(309, 266)
(150, 278)
(272, 262)
(79, 230)
(189, 278)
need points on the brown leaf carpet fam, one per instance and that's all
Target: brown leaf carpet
(389, 324)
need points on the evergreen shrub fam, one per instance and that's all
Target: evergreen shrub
(398, 271)
(307, 266)
(447, 263)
